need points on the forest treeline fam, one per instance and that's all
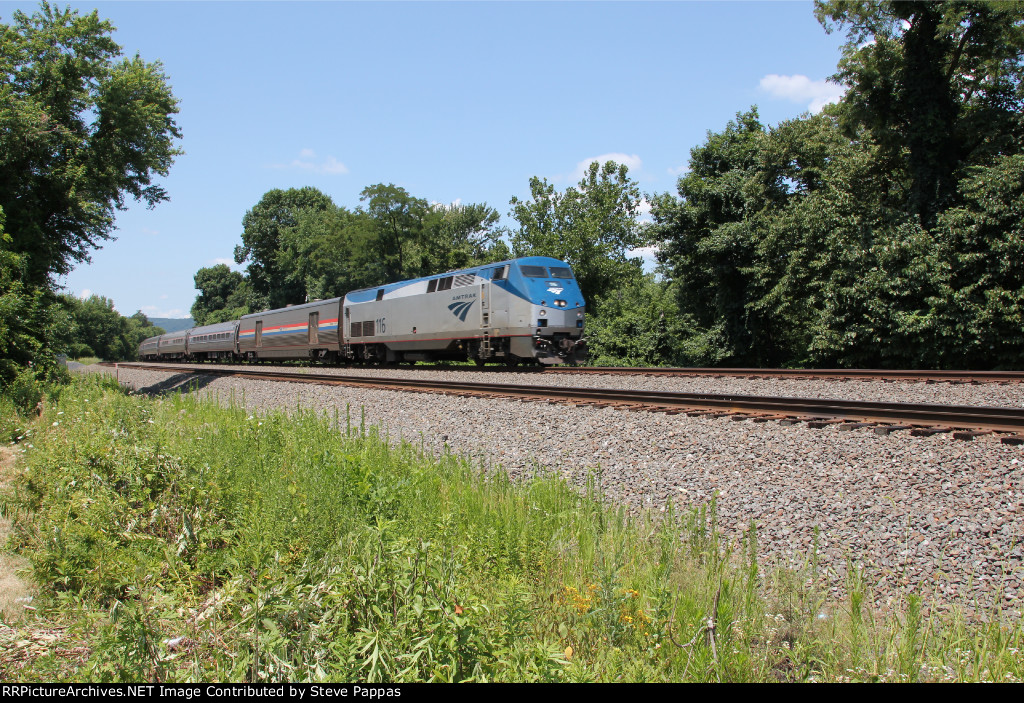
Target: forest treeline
(83, 128)
(884, 231)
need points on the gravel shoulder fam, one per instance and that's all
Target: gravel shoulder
(931, 515)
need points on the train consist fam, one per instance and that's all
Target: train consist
(529, 309)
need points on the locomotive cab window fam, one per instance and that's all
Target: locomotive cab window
(534, 271)
(380, 294)
(499, 273)
(561, 272)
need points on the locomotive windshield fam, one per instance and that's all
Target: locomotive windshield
(561, 272)
(534, 271)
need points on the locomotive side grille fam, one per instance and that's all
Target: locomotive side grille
(464, 279)
(368, 328)
(357, 329)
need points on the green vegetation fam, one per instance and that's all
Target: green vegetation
(81, 128)
(97, 329)
(181, 540)
(880, 232)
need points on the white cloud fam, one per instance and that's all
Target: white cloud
(799, 89)
(308, 161)
(84, 294)
(150, 232)
(680, 170)
(332, 165)
(631, 161)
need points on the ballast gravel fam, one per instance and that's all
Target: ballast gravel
(998, 394)
(935, 516)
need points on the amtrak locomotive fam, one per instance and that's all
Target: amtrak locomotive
(528, 309)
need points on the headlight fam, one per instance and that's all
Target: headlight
(542, 313)
(579, 316)
(560, 303)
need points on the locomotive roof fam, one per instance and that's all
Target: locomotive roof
(538, 260)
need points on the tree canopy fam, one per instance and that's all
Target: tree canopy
(877, 232)
(81, 129)
(223, 295)
(97, 329)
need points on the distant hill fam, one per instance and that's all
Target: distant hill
(173, 324)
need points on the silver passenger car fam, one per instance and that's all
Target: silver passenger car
(173, 345)
(216, 341)
(308, 331)
(149, 349)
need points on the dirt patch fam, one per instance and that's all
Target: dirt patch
(15, 590)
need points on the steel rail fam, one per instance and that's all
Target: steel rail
(831, 374)
(965, 417)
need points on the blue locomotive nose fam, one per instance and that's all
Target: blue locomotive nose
(547, 282)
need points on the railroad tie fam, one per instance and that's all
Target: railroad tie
(969, 435)
(929, 431)
(766, 418)
(889, 429)
(824, 422)
(856, 425)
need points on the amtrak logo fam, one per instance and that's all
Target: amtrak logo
(554, 288)
(461, 309)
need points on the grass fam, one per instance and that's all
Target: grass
(179, 540)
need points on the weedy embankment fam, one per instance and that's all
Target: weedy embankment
(179, 540)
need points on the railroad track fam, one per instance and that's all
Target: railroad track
(964, 422)
(973, 377)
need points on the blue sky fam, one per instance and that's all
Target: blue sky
(454, 101)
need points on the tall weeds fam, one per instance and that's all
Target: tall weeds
(190, 541)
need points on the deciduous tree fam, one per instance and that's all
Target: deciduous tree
(262, 230)
(82, 128)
